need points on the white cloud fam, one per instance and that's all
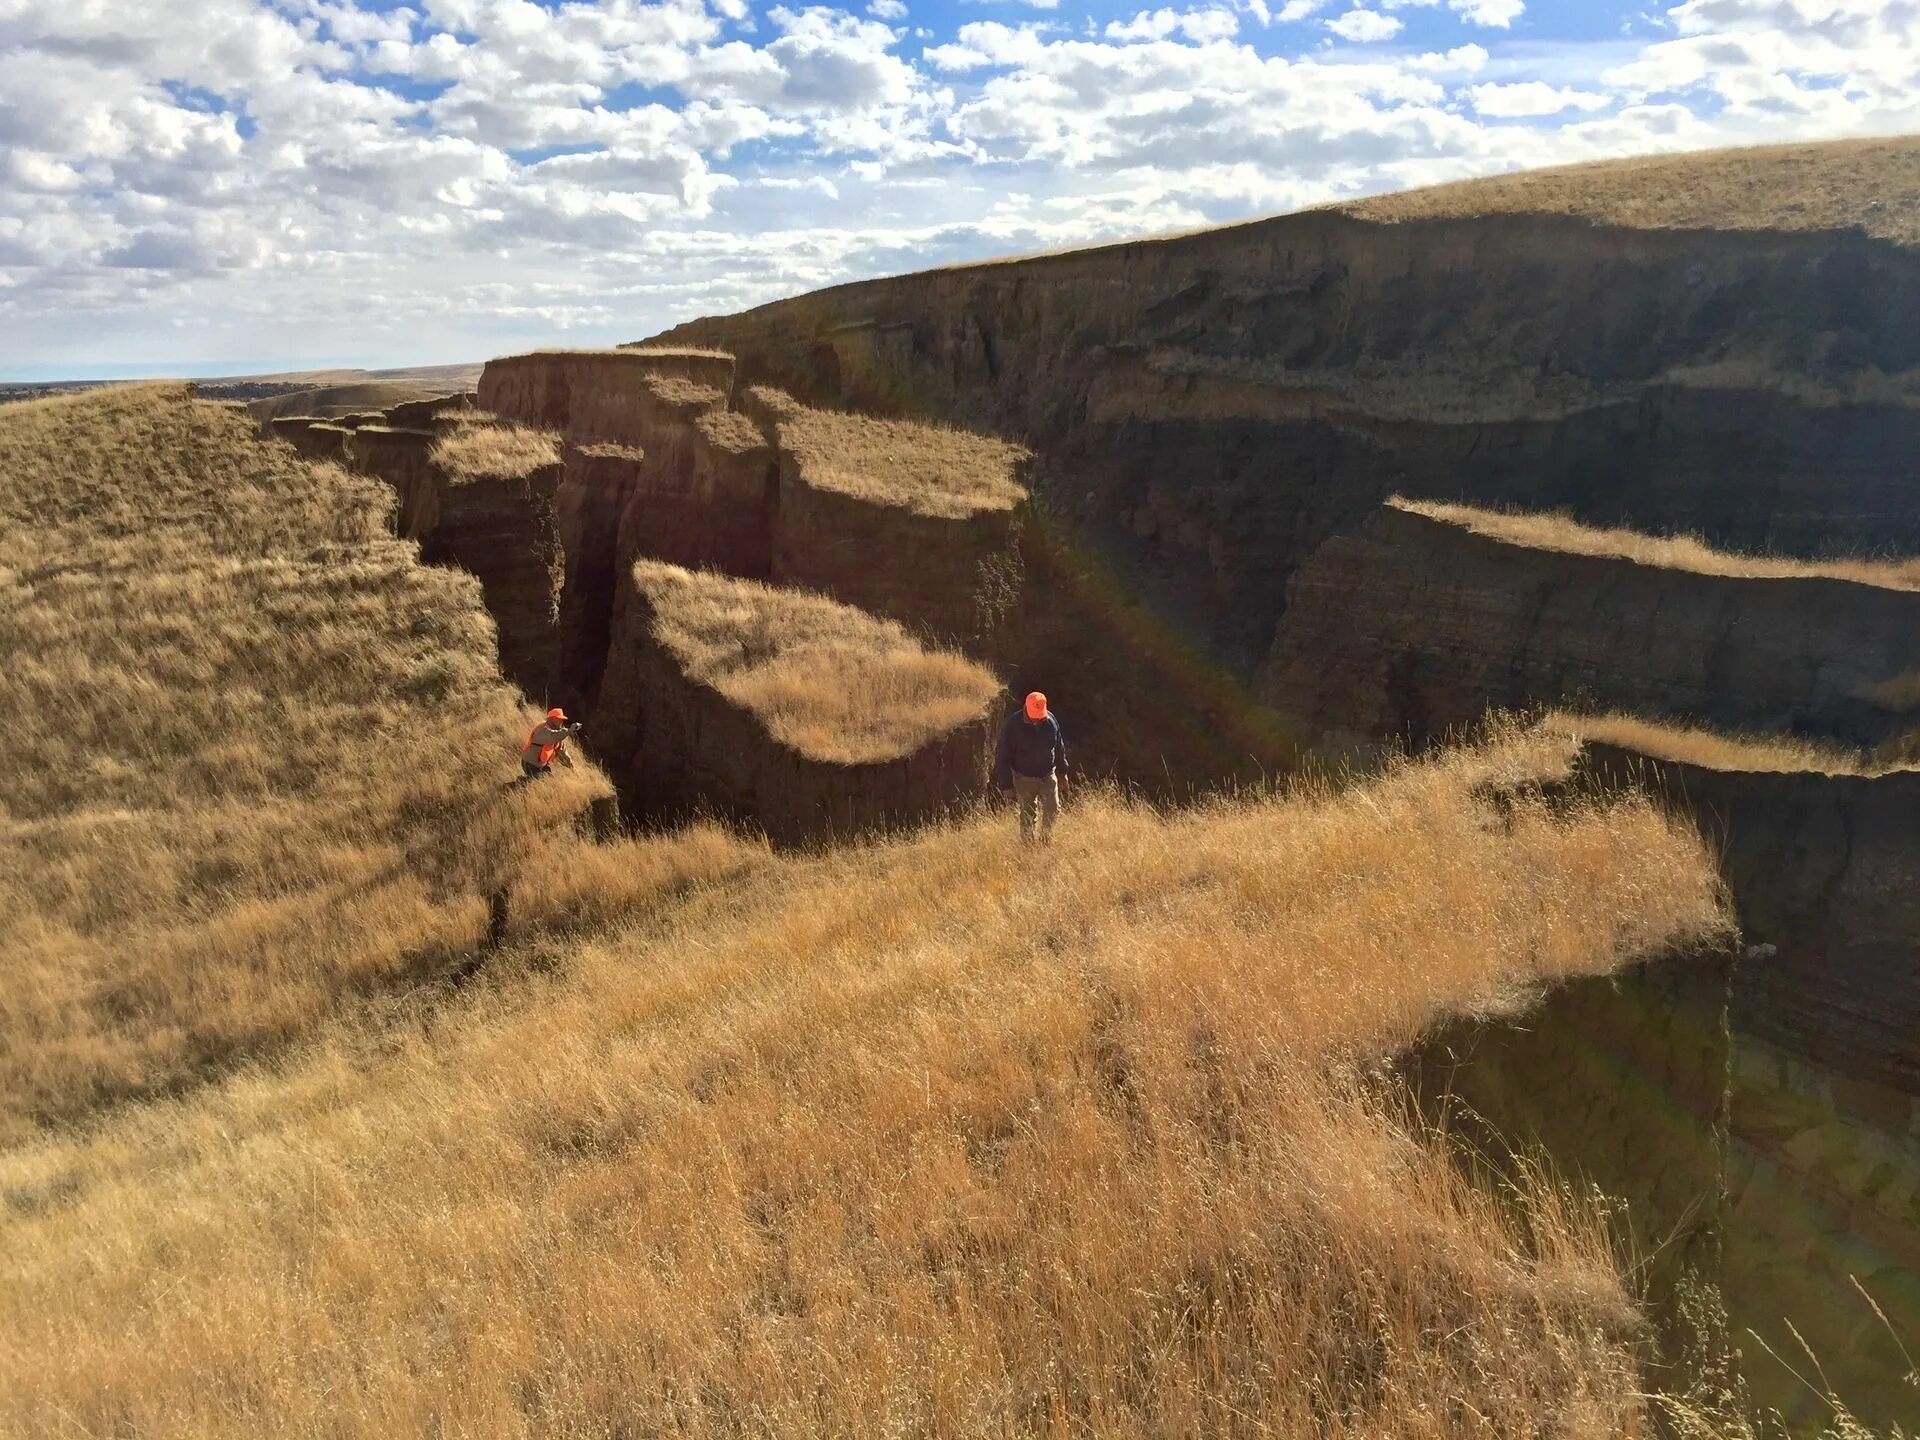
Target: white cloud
(1497, 13)
(1461, 60)
(887, 9)
(1530, 98)
(1198, 25)
(1362, 26)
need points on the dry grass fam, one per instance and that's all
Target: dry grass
(730, 431)
(834, 683)
(1693, 745)
(640, 352)
(928, 469)
(608, 450)
(261, 751)
(921, 1138)
(1870, 185)
(677, 391)
(1557, 531)
(495, 452)
(332, 401)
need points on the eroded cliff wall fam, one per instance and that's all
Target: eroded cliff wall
(1411, 626)
(1207, 409)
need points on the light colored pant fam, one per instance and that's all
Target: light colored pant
(1038, 801)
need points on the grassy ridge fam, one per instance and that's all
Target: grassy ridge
(916, 1138)
(1541, 530)
(1870, 185)
(929, 469)
(260, 756)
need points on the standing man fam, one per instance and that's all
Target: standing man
(1031, 766)
(547, 743)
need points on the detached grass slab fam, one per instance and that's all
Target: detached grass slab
(783, 707)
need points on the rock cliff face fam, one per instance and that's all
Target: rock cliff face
(1742, 1163)
(1825, 868)
(503, 530)
(951, 574)
(1410, 626)
(593, 396)
(1759, 1113)
(1206, 410)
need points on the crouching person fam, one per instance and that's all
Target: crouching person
(546, 744)
(1030, 766)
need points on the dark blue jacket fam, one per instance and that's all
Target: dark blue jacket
(1033, 748)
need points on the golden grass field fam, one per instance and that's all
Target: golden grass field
(1693, 745)
(1870, 185)
(1555, 531)
(478, 451)
(260, 758)
(908, 1137)
(832, 682)
(333, 400)
(929, 469)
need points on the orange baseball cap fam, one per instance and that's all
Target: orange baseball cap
(1036, 706)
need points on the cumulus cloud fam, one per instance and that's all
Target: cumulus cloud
(1532, 97)
(1362, 26)
(1499, 14)
(1159, 24)
(218, 180)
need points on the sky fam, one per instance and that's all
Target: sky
(232, 186)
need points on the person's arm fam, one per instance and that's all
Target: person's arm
(1060, 752)
(1003, 760)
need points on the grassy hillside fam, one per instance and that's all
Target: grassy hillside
(259, 751)
(1869, 185)
(334, 400)
(914, 1137)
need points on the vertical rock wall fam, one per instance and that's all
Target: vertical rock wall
(592, 395)
(1412, 626)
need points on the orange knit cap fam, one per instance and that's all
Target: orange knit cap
(1036, 706)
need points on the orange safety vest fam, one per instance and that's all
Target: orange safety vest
(547, 748)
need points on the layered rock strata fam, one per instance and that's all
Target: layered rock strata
(1412, 626)
(1207, 409)
(593, 395)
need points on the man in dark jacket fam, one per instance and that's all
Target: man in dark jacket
(1031, 766)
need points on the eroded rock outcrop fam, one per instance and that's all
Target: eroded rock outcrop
(784, 709)
(593, 395)
(918, 523)
(909, 521)
(489, 508)
(1413, 625)
(469, 504)
(1207, 409)
(1824, 868)
(1759, 1110)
